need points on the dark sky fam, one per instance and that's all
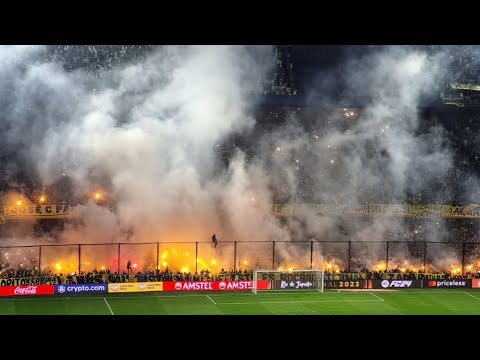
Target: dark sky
(312, 64)
(313, 59)
(317, 69)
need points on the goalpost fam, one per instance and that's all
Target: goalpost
(287, 280)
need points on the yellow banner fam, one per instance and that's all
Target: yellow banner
(319, 209)
(36, 211)
(422, 211)
(135, 287)
(426, 211)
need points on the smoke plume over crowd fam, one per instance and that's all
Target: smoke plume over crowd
(150, 133)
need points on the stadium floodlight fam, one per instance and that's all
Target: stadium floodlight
(287, 280)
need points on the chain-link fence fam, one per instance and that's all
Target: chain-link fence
(193, 257)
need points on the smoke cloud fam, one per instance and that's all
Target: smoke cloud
(148, 132)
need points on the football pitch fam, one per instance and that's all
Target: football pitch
(331, 302)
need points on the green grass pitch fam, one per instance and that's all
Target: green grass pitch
(371, 302)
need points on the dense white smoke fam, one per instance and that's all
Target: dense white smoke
(375, 155)
(148, 131)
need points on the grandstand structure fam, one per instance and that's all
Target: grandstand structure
(416, 209)
(336, 257)
(451, 186)
(460, 85)
(461, 95)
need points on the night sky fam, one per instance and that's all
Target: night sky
(320, 69)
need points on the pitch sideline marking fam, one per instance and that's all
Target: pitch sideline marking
(378, 297)
(109, 308)
(34, 298)
(214, 303)
(472, 295)
(291, 302)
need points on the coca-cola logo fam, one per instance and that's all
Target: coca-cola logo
(25, 290)
(114, 287)
(141, 286)
(178, 286)
(222, 285)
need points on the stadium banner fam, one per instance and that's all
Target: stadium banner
(293, 285)
(290, 276)
(135, 287)
(396, 284)
(116, 278)
(387, 276)
(450, 283)
(319, 209)
(418, 211)
(342, 284)
(31, 280)
(36, 211)
(213, 285)
(475, 283)
(416, 275)
(83, 288)
(469, 211)
(26, 290)
(388, 210)
(344, 276)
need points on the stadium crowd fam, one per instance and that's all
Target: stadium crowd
(106, 276)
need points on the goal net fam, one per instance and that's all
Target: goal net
(287, 280)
